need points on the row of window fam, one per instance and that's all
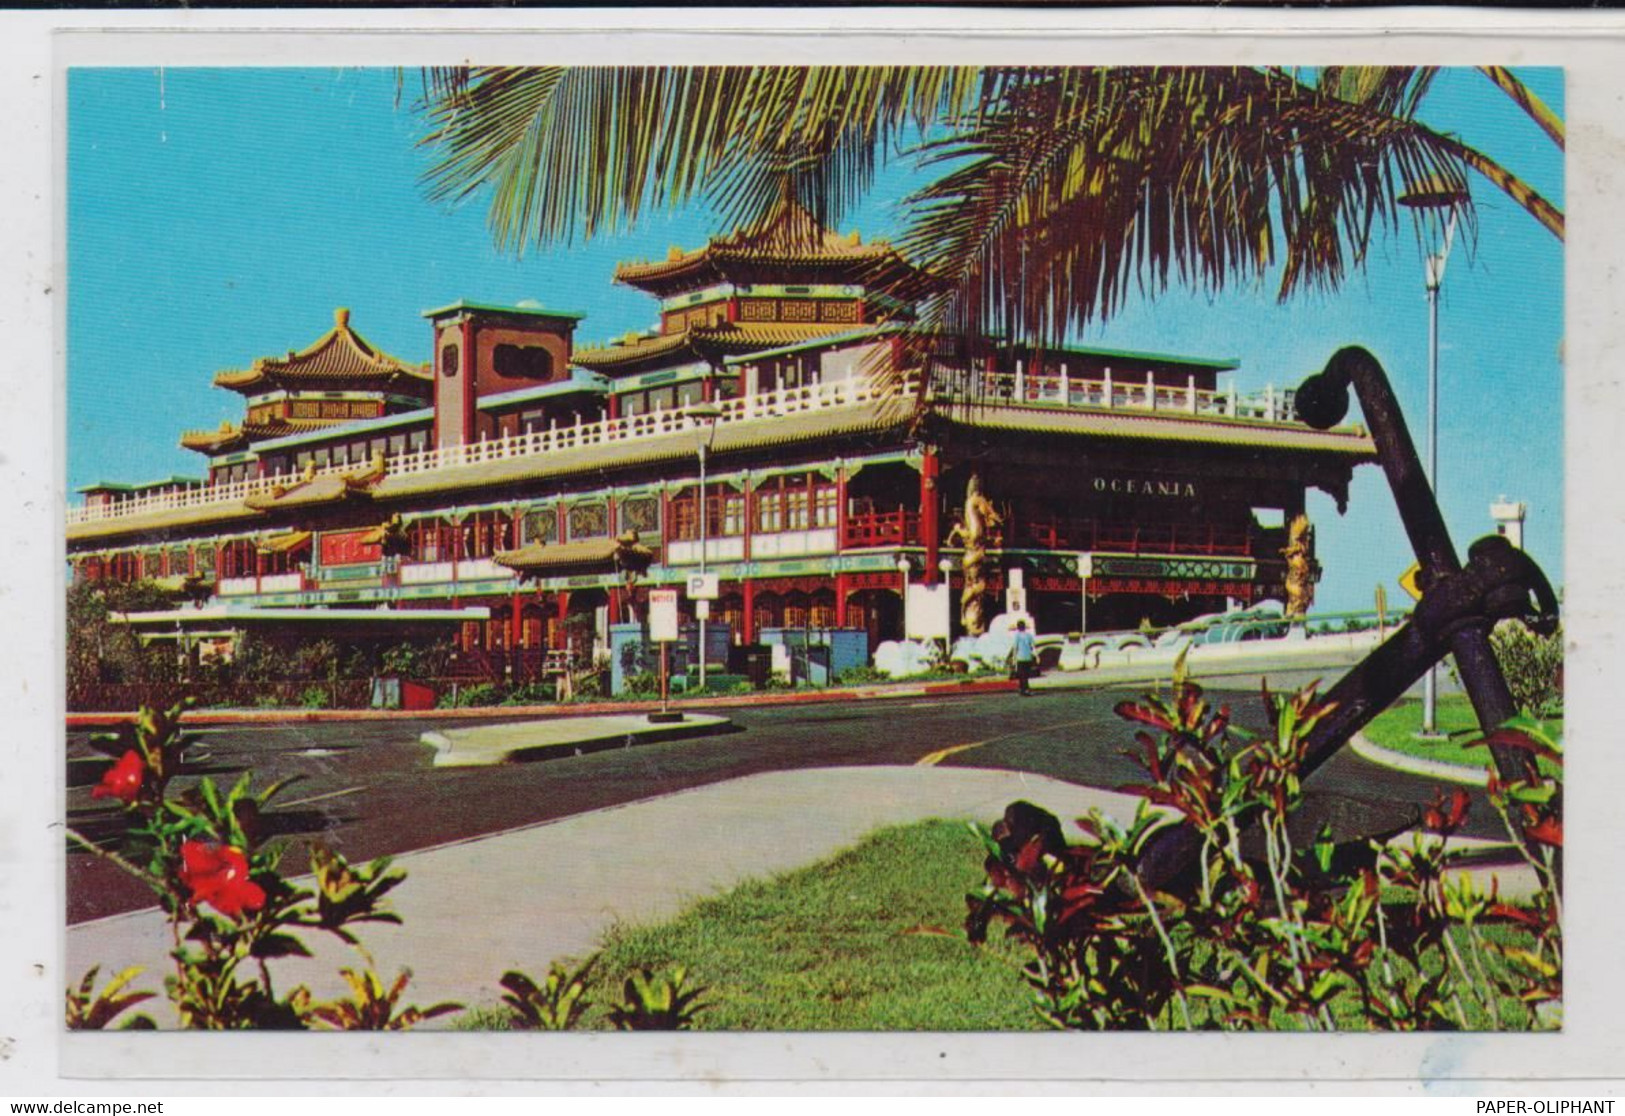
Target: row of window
(785, 503)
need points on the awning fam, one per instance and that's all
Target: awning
(594, 554)
(240, 616)
(283, 544)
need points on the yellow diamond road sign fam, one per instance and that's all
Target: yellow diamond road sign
(1407, 581)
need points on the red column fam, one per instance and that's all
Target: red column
(708, 390)
(930, 532)
(562, 606)
(514, 629)
(841, 590)
(747, 624)
(840, 510)
(614, 407)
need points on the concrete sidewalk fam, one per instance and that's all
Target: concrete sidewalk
(521, 899)
(473, 909)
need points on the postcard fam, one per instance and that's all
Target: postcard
(933, 552)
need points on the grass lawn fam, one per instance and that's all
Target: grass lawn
(868, 940)
(1396, 729)
(865, 941)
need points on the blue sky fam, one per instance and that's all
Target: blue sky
(219, 215)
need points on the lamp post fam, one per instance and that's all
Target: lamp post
(902, 573)
(705, 416)
(1437, 202)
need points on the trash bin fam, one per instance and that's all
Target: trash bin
(756, 664)
(415, 695)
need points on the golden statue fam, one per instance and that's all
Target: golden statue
(972, 531)
(1302, 571)
(632, 560)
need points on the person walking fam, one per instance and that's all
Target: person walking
(1026, 657)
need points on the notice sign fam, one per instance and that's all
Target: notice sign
(663, 615)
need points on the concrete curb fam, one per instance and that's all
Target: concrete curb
(489, 745)
(487, 712)
(1417, 765)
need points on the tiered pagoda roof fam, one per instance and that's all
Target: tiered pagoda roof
(710, 342)
(231, 437)
(340, 360)
(792, 246)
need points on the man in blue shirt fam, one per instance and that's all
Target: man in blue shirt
(1026, 657)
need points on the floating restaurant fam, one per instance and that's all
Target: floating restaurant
(519, 486)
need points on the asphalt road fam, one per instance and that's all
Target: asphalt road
(367, 788)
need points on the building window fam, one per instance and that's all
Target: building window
(239, 558)
(450, 359)
(725, 515)
(523, 362)
(432, 540)
(794, 503)
(769, 512)
(824, 505)
(796, 509)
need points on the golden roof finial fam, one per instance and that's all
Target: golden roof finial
(341, 317)
(675, 252)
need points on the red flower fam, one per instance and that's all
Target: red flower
(123, 780)
(1548, 831)
(218, 876)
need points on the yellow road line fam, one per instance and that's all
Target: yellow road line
(931, 759)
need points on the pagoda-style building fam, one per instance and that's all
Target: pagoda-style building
(339, 378)
(521, 490)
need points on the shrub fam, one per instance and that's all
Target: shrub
(232, 914)
(532, 693)
(1533, 666)
(477, 694)
(315, 697)
(1284, 936)
(657, 1002)
(644, 684)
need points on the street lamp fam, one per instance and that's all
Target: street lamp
(1437, 202)
(903, 572)
(705, 417)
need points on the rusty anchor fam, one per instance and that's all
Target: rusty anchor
(1460, 603)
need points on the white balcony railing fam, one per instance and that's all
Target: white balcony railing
(1057, 389)
(988, 388)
